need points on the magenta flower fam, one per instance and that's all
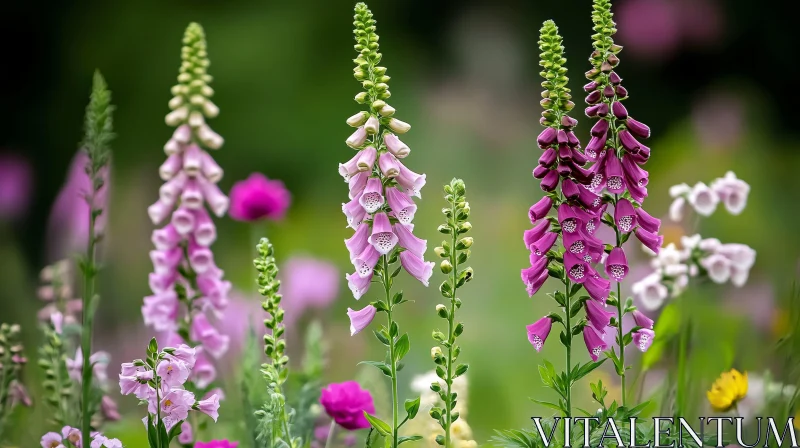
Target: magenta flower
(616, 265)
(346, 403)
(538, 332)
(15, 186)
(416, 266)
(217, 444)
(596, 315)
(308, 283)
(533, 235)
(642, 320)
(209, 406)
(643, 338)
(594, 343)
(650, 240)
(360, 319)
(258, 197)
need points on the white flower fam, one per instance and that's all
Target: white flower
(703, 199)
(718, 267)
(650, 291)
(709, 244)
(732, 191)
(741, 255)
(676, 209)
(679, 190)
(690, 242)
(739, 276)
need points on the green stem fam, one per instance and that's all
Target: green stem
(88, 318)
(331, 431)
(389, 305)
(569, 350)
(620, 315)
(451, 327)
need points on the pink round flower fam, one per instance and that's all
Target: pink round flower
(259, 197)
(15, 186)
(216, 444)
(346, 403)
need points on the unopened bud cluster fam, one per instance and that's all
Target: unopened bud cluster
(268, 285)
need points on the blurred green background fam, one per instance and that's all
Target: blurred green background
(465, 75)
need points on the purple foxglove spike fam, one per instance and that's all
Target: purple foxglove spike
(598, 317)
(597, 288)
(358, 138)
(595, 145)
(550, 181)
(205, 232)
(366, 261)
(389, 165)
(567, 218)
(614, 78)
(564, 152)
(536, 283)
(647, 222)
(546, 137)
(543, 244)
(366, 159)
(619, 110)
(200, 258)
(581, 175)
(576, 267)
(160, 311)
(637, 128)
(540, 209)
(650, 240)
(590, 86)
(588, 221)
(359, 241)
(643, 339)
(548, 156)
(411, 181)
(641, 320)
(578, 157)
(561, 137)
(396, 146)
(575, 244)
(213, 342)
(602, 110)
(170, 191)
(403, 207)
(572, 139)
(354, 212)
(210, 169)
(634, 172)
(594, 343)
(192, 160)
(593, 97)
(564, 170)
(166, 238)
(216, 199)
(165, 261)
(416, 266)
(588, 199)
(171, 167)
(540, 172)
(624, 216)
(192, 196)
(538, 332)
(570, 189)
(530, 236)
(349, 168)
(616, 265)
(358, 285)
(638, 193)
(357, 183)
(608, 92)
(591, 111)
(621, 92)
(383, 238)
(215, 290)
(600, 128)
(372, 198)
(615, 177)
(162, 283)
(409, 241)
(183, 221)
(628, 142)
(360, 319)
(182, 134)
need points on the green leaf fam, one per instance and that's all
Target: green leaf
(175, 431)
(401, 347)
(587, 368)
(403, 439)
(460, 370)
(382, 427)
(412, 407)
(153, 347)
(380, 365)
(547, 404)
(383, 339)
(152, 435)
(575, 289)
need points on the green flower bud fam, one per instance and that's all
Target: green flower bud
(399, 127)
(446, 267)
(441, 252)
(379, 71)
(465, 227)
(441, 310)
(377, 104)
(444, 229)
(358, 119)
(436, 352)
(438, 335)
(464, 243)
(361, 97)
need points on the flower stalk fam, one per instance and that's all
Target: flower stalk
(98, 136)
(454, 255)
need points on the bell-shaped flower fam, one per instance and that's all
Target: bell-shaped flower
(360, 319)
(359, 241)
(407, 240)
(403, 207)
(637, 128)
(703, 199)
(594, 343)
(643, 338)
(629, 142)
(366, 261)
(576, 267)
(550, 181)
(641, 320)
(597, 287)
(395, 146)
(540, 247)
(357, 183)
(546, 138)
(634, 173)
(540, 209)
(357, 139)
(530, 236)
(575, 244)
(650, 240)
(366, 159)
(410, 181)
(372, 197)
(389, 165)
(354, 212)
(647, 221)
(718, 267)
(358, 285)
(597, 316)
(350, 168)
(615, 177)
(539, 330)
(616, 265)
(416, 266)
(625, 216)
(383, 239)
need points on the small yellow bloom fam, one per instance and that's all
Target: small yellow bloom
(727, 390)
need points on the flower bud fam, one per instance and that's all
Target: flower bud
(464, 243)
(378, 104)
(436, 414)
(358, 119)
(436, 352)
(459, 329)
(444, 229)
(441, 252)
(398, 126)
(466, 227)
(372, 126)
(175, 102)
(379, 71)
(175, 117)
(446, 267)
(210, 109)
(441, 310)
(361, 97)
(386, 111)
(438, 335)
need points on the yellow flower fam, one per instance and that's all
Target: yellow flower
(727, 390)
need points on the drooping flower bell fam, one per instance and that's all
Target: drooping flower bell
(538, 332)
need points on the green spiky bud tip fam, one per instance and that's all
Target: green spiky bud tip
(556, 97)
